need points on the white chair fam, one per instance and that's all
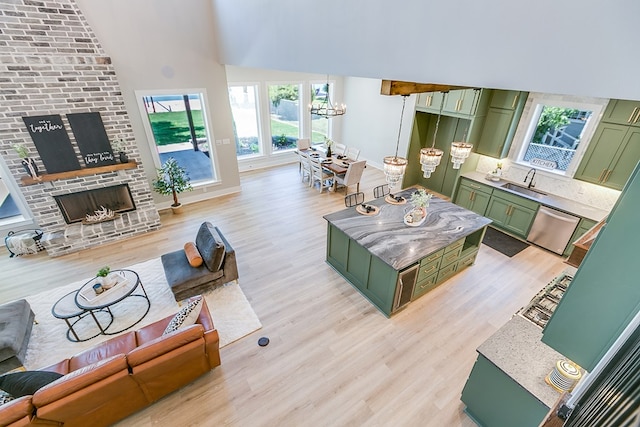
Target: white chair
(304, 166)
(351, 177)
(303, 144)
(352, 153)
(319, 174)
(338, 149)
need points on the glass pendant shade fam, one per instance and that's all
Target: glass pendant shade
(429, 159)
(394, 168)
(459, 152)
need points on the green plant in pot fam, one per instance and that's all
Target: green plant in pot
(27, 162)
(105, 277)
(420, 200)
(172, 180)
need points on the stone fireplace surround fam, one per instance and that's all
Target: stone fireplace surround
(52, 63)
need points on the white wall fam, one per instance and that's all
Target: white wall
(167, 44)
(578, 48)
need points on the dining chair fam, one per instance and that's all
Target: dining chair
(381, 191)
(351, 177)
(352, 153)
(319, 174)
(354, 199)
(304, 166)
(338, 149)
(303, 144)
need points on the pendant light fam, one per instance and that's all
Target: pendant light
(394, 166)
(326, 109)
(461, 150)
(430, 157)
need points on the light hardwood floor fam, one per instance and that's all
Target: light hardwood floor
(333, 360)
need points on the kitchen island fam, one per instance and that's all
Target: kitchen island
(392, 263)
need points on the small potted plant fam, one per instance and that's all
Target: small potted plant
(420, 200)
(106, 277)
(172, 179)
(28, 163)
(119, 146)
(329, 143)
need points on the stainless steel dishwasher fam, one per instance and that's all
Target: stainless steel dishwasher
(552, 229)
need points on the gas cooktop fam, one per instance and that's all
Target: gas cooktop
(543, 305)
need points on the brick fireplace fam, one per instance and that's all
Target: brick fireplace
(52, 63)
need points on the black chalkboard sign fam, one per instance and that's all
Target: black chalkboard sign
(92, 139)
(52, 142)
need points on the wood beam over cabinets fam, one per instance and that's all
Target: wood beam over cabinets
(395, 87)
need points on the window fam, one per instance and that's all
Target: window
(558, 133)
(177, 128)
(284, 103)
(320, 125)
(246, 127)
(13, 210)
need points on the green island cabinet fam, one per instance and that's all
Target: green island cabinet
(500, 123)
(392, 264)
(604, 294)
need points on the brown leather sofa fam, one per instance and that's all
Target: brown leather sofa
(118, 377)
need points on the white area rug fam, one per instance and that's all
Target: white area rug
(232, 315)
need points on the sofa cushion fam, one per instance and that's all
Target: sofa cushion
(193, 256)
(187, 316)
(211, 246)
(25, 383)
(122, 344)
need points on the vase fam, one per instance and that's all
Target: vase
(123, 157)
(328, 151)
(30, 166)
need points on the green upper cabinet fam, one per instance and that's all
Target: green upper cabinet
(429, 101)
(461, 103)
(503, 115)
(604, 295)
(611, 156)
(622, 112)
(507, 99)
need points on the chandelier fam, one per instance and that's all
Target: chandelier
(395, 166)
(461, 150)
(430, 157)
(326, 109)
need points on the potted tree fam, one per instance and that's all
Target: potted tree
(172, 179)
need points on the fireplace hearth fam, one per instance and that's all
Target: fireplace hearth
(76, 206)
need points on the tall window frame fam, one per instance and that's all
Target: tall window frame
(247, 124)
(325, 130)
(538, 102)
(207, 146)
(282, 138)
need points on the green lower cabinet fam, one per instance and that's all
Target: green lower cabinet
(583, 226)
(493, 399)
(512, 216)
(424, 286)
(471, 196)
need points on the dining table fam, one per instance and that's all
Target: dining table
(336, 164)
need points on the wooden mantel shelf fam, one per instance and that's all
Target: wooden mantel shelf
(27, 180)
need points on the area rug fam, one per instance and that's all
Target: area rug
(232, 315)
(503, 243)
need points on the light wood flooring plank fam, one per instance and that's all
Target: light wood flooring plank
(333, 358)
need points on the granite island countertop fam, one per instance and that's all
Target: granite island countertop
(517, 350)
(386, 235)
(550, 200)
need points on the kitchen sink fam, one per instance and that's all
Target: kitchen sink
(531, 192)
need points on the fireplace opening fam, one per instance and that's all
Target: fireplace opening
(92, 205)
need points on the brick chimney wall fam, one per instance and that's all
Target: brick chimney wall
(52, 63)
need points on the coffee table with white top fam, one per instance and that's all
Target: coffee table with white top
(130, 287)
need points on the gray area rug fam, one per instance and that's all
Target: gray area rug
(232, 315)
(503, 243)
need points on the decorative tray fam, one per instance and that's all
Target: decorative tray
(89, 295)
(362, 210)
(393, 201)
(413, 223)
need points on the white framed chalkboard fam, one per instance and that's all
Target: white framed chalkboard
(52, 142)
(92, 139)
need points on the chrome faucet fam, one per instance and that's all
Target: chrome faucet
(531, 183)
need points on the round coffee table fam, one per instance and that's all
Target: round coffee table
(67, 309)
(128, 286)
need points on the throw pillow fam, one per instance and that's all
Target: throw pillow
(190, 250)
(5, 397)
(19, 384)
(186, 316)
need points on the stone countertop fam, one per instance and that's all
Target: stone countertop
(386, 235)
(517, 350)
(550, 200)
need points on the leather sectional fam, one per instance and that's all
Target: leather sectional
(118, 377)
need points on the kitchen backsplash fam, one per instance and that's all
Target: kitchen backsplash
(579, 191)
